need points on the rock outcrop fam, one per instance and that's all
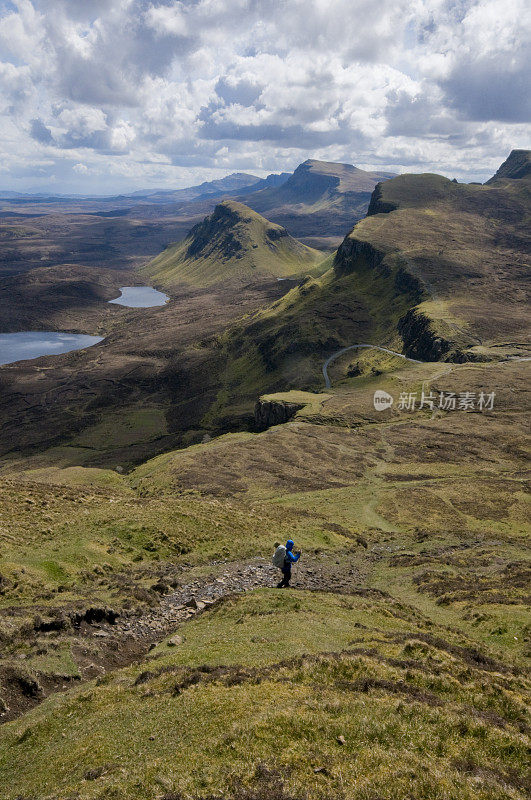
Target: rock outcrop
(516, 166)
(430, 340)
(273, 412)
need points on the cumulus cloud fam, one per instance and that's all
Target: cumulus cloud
(40, 132)
(164, 92)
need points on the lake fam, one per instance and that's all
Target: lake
(140, 297)
(32, 344)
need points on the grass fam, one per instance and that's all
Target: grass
(421, 519)
(123, 428)
(420, 712)
(67, 544)
(453, 237)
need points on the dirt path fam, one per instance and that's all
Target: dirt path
(325, 572)
(338, 353)
(98, 648)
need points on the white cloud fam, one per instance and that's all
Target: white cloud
(163, 92)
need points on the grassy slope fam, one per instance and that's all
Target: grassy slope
(451, 486)
(456, 253)
(82, 544)
(441, 505)
(422, 713)
(233, 243)
(426, 683)
(283, 346)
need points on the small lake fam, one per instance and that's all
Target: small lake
(140, 297)
(32, 344)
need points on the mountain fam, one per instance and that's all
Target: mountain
(320, 199)
(270, 181)
(234, 182)
(152, 201)
(238, 183)
(467, 248)
(517, 165)
(437, 270)
(234, 242)
(314, 182)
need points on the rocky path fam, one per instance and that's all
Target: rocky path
(101, 647)
(190, 598)
(325, 572)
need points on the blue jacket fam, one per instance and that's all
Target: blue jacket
(290, 557)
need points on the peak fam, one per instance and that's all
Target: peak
(329, 167)
(517, 165)
(235, 211)
(234, 242)
(233, 205)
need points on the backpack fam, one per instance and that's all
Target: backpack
(278, 556)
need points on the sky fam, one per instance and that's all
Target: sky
(106, 96)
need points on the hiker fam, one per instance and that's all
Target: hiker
(283, 558)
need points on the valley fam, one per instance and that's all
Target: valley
(144, 481)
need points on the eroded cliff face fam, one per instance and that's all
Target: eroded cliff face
(377, 205)
(273, 412)
(353, 252)
(356, 254)
(433, 340)
(420, 339)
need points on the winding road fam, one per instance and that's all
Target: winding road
(360, 346)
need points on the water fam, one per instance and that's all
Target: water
(32, 344)
(140, 297)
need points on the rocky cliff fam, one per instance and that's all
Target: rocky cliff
(273, 412)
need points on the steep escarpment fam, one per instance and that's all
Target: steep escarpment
(434, 340)
(423, 337)
(232, 243)
(464, 247)
(321, 199)
(516, 166)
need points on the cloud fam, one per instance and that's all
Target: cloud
(158, 92)
(40, 132)
(81, 169)
(486, 89)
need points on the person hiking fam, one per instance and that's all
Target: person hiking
(283, 558)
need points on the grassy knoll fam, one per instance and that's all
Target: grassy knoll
(416, 519)
(420, 710)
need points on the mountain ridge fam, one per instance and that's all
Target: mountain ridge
(320, 199)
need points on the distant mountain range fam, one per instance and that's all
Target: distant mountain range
(320, 199)
(235, 182)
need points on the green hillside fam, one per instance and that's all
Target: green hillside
(365, 699)
(437, 270)
(232, 243)
(145, 651)
(396, 668)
